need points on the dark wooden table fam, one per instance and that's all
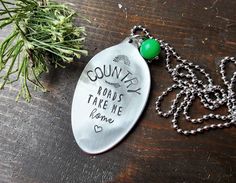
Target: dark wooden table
(36, 140)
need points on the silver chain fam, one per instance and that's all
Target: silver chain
(211, 96)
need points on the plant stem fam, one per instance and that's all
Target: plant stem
(5, 7)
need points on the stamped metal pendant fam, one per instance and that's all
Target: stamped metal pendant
(109, 97)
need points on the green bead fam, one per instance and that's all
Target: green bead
(150, 49)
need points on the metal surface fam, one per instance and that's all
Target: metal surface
(109, 98)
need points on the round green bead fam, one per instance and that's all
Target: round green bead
(150, 49)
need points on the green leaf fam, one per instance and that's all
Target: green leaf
(43, 34)
(5, 23)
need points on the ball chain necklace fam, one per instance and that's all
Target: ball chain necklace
(113, 89)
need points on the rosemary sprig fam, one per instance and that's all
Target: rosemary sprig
(43, 34)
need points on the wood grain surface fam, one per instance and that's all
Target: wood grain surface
(36, 140)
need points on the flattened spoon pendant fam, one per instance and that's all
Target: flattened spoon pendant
(110, 96)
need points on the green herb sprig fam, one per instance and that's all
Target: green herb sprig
(43, 33)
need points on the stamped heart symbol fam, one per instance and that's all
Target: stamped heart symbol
(97, 128)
